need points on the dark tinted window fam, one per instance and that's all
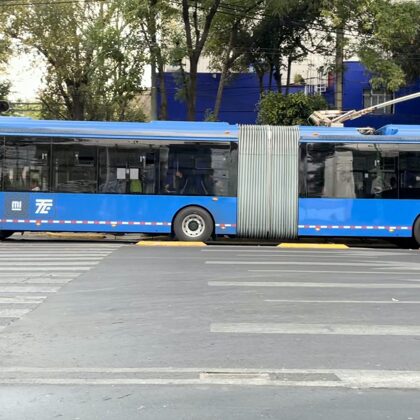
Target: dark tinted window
(26, 164)
(198, 169)
(128, 169)
(409, 171)
(74, 166)
(350, 170)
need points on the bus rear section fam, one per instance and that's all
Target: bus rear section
(331, 182)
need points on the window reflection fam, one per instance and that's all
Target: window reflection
(351, 170)
(25, 164)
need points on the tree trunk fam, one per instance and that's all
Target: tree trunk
(220, 88)
(77, 112)
(153, 58)
(289, 71)
(277, 78)
(163, 108)
(339, 68)
(192, 89)
(261, 82)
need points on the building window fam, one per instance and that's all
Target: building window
(374, 97)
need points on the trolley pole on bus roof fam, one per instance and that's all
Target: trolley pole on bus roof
(336, 118)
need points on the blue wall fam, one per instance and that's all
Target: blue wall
(241, 95)
(356, 79)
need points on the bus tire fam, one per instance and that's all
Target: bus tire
(193, 224)
(416, 231)
(5, 234)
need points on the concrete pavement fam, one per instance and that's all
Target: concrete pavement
(240, 331)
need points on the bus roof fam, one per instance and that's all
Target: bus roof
(185, 130)
(155, 130)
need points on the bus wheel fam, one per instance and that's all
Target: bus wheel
(416, 231)
(5, 234)
(193, 224)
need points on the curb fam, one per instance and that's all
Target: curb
(312, 246)
(75, 235)
(171, 243)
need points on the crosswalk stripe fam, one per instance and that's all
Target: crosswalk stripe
(50, 263)
(13, 313)
(29, 289)
(29, 272)
(44, 269)
(37, 281)
(53, 254)
(20, 300)
(35, 259)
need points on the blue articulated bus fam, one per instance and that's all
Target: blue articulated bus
(198, 180)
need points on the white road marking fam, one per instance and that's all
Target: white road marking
(57, 253)
(43, 258)
(19, 300)
(338, 252)
(281, 255)
(391, 273)
(49, 263)
(46, 268)
(300, 263)
(316, 329)
(313, 285)
(57, 248)
(13, 313)
(29, 289)
(328, 378)
(37, 280)
(391, 302)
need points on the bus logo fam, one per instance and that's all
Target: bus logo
(43, 205)
(16, 205)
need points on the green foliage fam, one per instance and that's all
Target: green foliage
(94, 60)
(277, 109)
(5, 86)
(210, 116)
(298, 79)
(390, 51)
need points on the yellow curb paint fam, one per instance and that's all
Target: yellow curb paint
(73, 235)
(170, 243)
(317, 246)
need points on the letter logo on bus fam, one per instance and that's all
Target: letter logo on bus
(16, 206)
(43, 205)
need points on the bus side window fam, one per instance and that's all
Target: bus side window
(127, 169)
(74, 166)
(26, 164)
(409, 170)
(198, 169)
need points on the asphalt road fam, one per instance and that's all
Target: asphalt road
(112, 330)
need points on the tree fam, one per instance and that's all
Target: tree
(156, 20)
(348, 20)
(229, 39)
(295, 109)
(391, 47)
(94, 63)
(283, 34)
(197, 17)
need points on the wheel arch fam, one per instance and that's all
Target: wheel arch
(413, 231)
(193, 205)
